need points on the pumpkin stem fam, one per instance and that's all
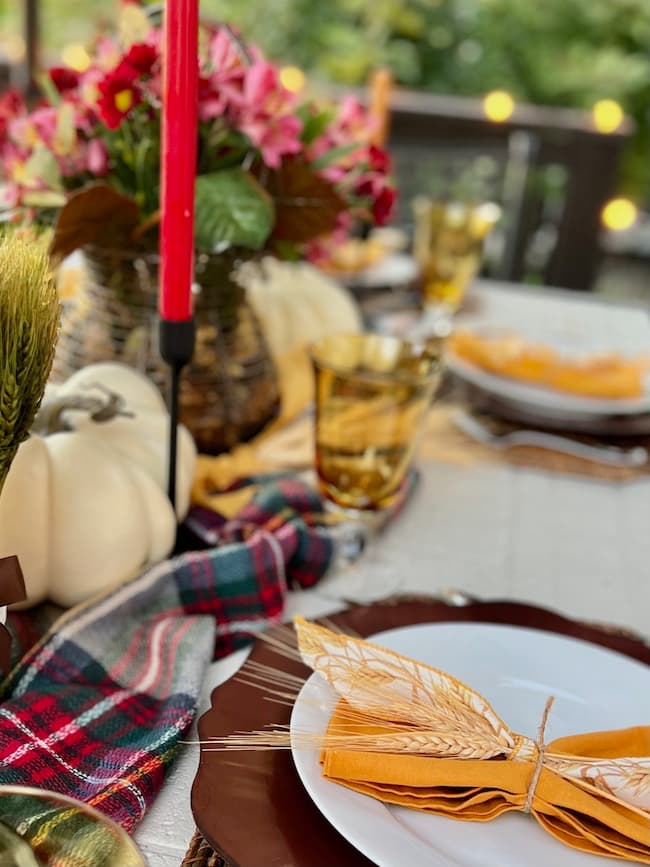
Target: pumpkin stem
(101, 408)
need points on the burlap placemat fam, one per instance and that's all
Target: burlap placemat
(443, 441)
(201, 854)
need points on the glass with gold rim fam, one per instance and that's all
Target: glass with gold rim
(39, 828)
(448, 246)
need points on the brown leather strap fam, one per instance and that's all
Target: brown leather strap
(12, 589)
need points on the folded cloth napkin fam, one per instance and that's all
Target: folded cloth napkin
(216, 474)
(408, 734)
(97, 707)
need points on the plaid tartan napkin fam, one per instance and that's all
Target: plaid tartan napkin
(97, 707)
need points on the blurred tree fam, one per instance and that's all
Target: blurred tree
(555, 52)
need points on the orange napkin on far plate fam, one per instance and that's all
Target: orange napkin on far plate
(609, 376)
(408, 734)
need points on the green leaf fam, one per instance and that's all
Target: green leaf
(232, 209)
(44, 199)
(287, 251)
(42, 167)
(46, 84)
(97, 214)
(314, 123)
(66, 133)
(332, 156)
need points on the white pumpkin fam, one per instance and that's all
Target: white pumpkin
(85, 509)
(297, 304)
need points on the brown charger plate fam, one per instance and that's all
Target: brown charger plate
(251, 806)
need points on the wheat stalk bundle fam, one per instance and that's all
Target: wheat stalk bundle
(29, 319)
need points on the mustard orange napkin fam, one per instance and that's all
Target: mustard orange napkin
(408, 734)
(284, 444)
(608, 375)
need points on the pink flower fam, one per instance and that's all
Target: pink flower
(260, 83)
(350, 129)
(107, 53)
(9, 196)
(222, 86)
(226, 58)
(212, 101)
(89, 87)
(45, 120)
(263, 91)
(275, 137)
(352, 115)
(22, 133)
(264, 114)
(97, 157)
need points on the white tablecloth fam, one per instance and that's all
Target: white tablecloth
(579, 546)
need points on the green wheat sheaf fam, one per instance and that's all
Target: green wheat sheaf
(29, 321)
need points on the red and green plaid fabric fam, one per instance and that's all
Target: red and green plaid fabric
(97, 707)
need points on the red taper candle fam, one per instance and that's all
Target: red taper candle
(178, 163)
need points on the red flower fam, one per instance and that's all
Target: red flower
(379, 195)
(139, 60)
(64, 78)
(382, 207)
(11, 105)
(118, 97)
(378, 160)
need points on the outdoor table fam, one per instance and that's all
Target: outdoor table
(572, 543)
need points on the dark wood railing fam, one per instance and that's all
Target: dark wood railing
(533, 137)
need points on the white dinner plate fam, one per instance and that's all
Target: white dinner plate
(394, 270)
(516, 670)
(536, 398)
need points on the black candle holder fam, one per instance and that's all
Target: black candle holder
(176, 349)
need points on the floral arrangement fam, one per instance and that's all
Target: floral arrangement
(273, 172)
